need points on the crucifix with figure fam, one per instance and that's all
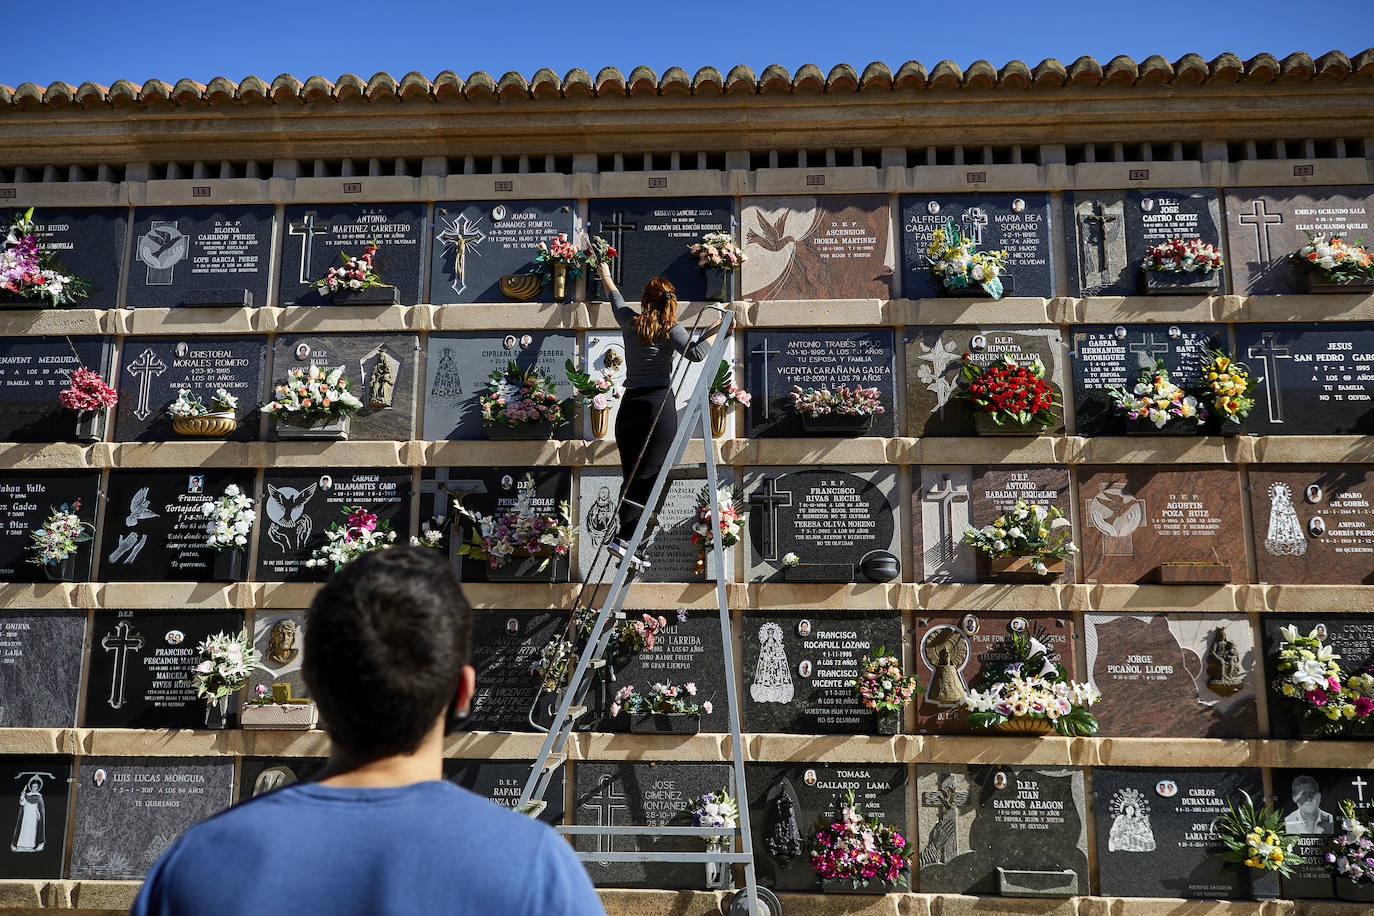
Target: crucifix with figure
(145, 368)
(1269, 355)
(1100, 219)
(307, 229)
(461, 233)
(605, 803)
(616, 227)
(765, 351)
(976, 219)
(769, 501)
(945, 495)
(121, 642)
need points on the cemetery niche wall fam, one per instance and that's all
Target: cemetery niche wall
(1194, 551)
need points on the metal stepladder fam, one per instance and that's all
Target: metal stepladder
(752, 900)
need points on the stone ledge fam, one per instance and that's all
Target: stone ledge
(40, 322)
(319, 319)
(50, 455)
(193, 320)
(210, 596)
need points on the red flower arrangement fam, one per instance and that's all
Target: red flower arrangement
(87, 391)
(1010, 391)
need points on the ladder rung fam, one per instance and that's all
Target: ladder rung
(554, 762)
(575, 712)
(597, 663)
(534, 808)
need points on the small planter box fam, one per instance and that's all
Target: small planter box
(524, 431)
(1174, 283)
(333, 428)
(1026, 725)
(1194, 573)
(524, 569)
(280, 716)
(837, 425)
(1018, 569)
(217, 714)
(218, 299)
(1178, 426)
(665, 724)
(61, 572)
(818, 572)
(209, 426)
(1316, 283)
(1021, 882)
(984, 425)
(227, 565)
(377, 295)
(846, 886)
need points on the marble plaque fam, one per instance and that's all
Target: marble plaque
(40, 668)
(841, 524)
(786, 801)
(688, 650)
(1314, 526)
(279, 637)
(1167, 676)
(1351, 636)
(88, 242)
(1265, 225)
(1310, 802)
(35, 790)
(458, 367)
(973, 819)
(154, 527)
(154, 370)
(505, 651)
(27, 498)
(838, 246)
(260, 775)
(825, 358)
(668, 545)
(1110, 231)
(1018, 224)
(606, 350)
(800, 667)
(934, 372)
(1154, 830)
(638, 794)
(33, 372)
(651, 235)
(193, 256)
(129, 810)
(315, 237)
(360, 355)
(953, 649)
(1135, 519)
(299, 506)
(502, 781)
(1317, 378)
(474, 243)
(1113, 356)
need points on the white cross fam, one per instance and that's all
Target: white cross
(307, 230)
(144, 368)
(1359, 784)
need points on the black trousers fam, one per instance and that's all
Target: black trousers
(635, 429)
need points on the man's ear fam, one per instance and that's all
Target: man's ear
(467, 686)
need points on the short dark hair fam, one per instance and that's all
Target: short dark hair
(386, 640)
(1305, 786)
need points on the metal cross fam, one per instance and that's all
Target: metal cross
(1101, 218)
(121, 642)
(1359, 784)
(617, 226)
(444, 490)
(770, 501)
(1270, 355)
(461, 233)
(144, 369)
(1148, 349)
(763, 350)
(976, 219)
(605, 804)
(947, 496)
(1261, 219)
(307, 230)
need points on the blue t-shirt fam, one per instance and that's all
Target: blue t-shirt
(431, 847)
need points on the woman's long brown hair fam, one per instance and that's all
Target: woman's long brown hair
(657, 311)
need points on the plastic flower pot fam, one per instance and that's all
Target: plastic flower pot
(1019, 569)
(62, 571)
(1026, 725)
(1194, 573)
(1264, 884)
(601, 422)
(524, 567)
(1180, 283)
(984, 425)
(720, 414)
(335, 427)
(376, 295)
(217, 713)
(889, 721)
(846, 886)
(718, 284)
(90, 425)
(227, 566)
(528, 431)
(833, 424)
(1317, 283)
(1176, 426)
(665, 723)
(210, 426)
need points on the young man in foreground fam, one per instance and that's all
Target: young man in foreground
(387, 645)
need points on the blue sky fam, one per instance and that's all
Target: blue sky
(100, 42)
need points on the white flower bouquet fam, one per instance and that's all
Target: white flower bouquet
(1178, 256)
(716, 809)
(1329, 700)
(957, 265)
(1039, 532)
(1334, 259)
(519, 532)
(360, 534)
(1156, 399)
(717, 250)
(188, 405)
(229, 520)
(1028, 686)
(314, 393)
(225, 663)
(58, 538)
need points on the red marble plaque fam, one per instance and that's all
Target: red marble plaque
(1314, 526)
(833, 247)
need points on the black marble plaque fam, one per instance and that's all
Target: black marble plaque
(652, 234)
(1317, 378)
(40, 668)
(141, 661)
(1016, 223)
(502, 781)
(637, 794)
(155, 529)
(260, 775)
(822, 358)
(1350, 635)
(35, 790)
(154, 370)
(1266, 225)
(129, 810)
(493, 491)
(298, 507)
(786, 802)
(1110, 356)
(800, 666)
(1310, 802)
(458, 368)
(475, 242)
(1110, 232)
(360, 355)
(33, 372)
(974, 819)
(200, 256)
(27, 498)
(505, 651)
(1154, 831)
(315, 237)
(688, 650)
(88, 242)
(841, 524)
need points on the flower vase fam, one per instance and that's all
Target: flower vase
(373, 295)
(90, 425)
(984, 425)
(217, 713)
(207, 426)
(335, 427)
(1264, 884)
(601, 422)
(889, 721)
(1026, 725)
(720, 413)
(227, 565)
(560, 282)
(62, 571)
(718, 283)
(719, 875)
(521, 431)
